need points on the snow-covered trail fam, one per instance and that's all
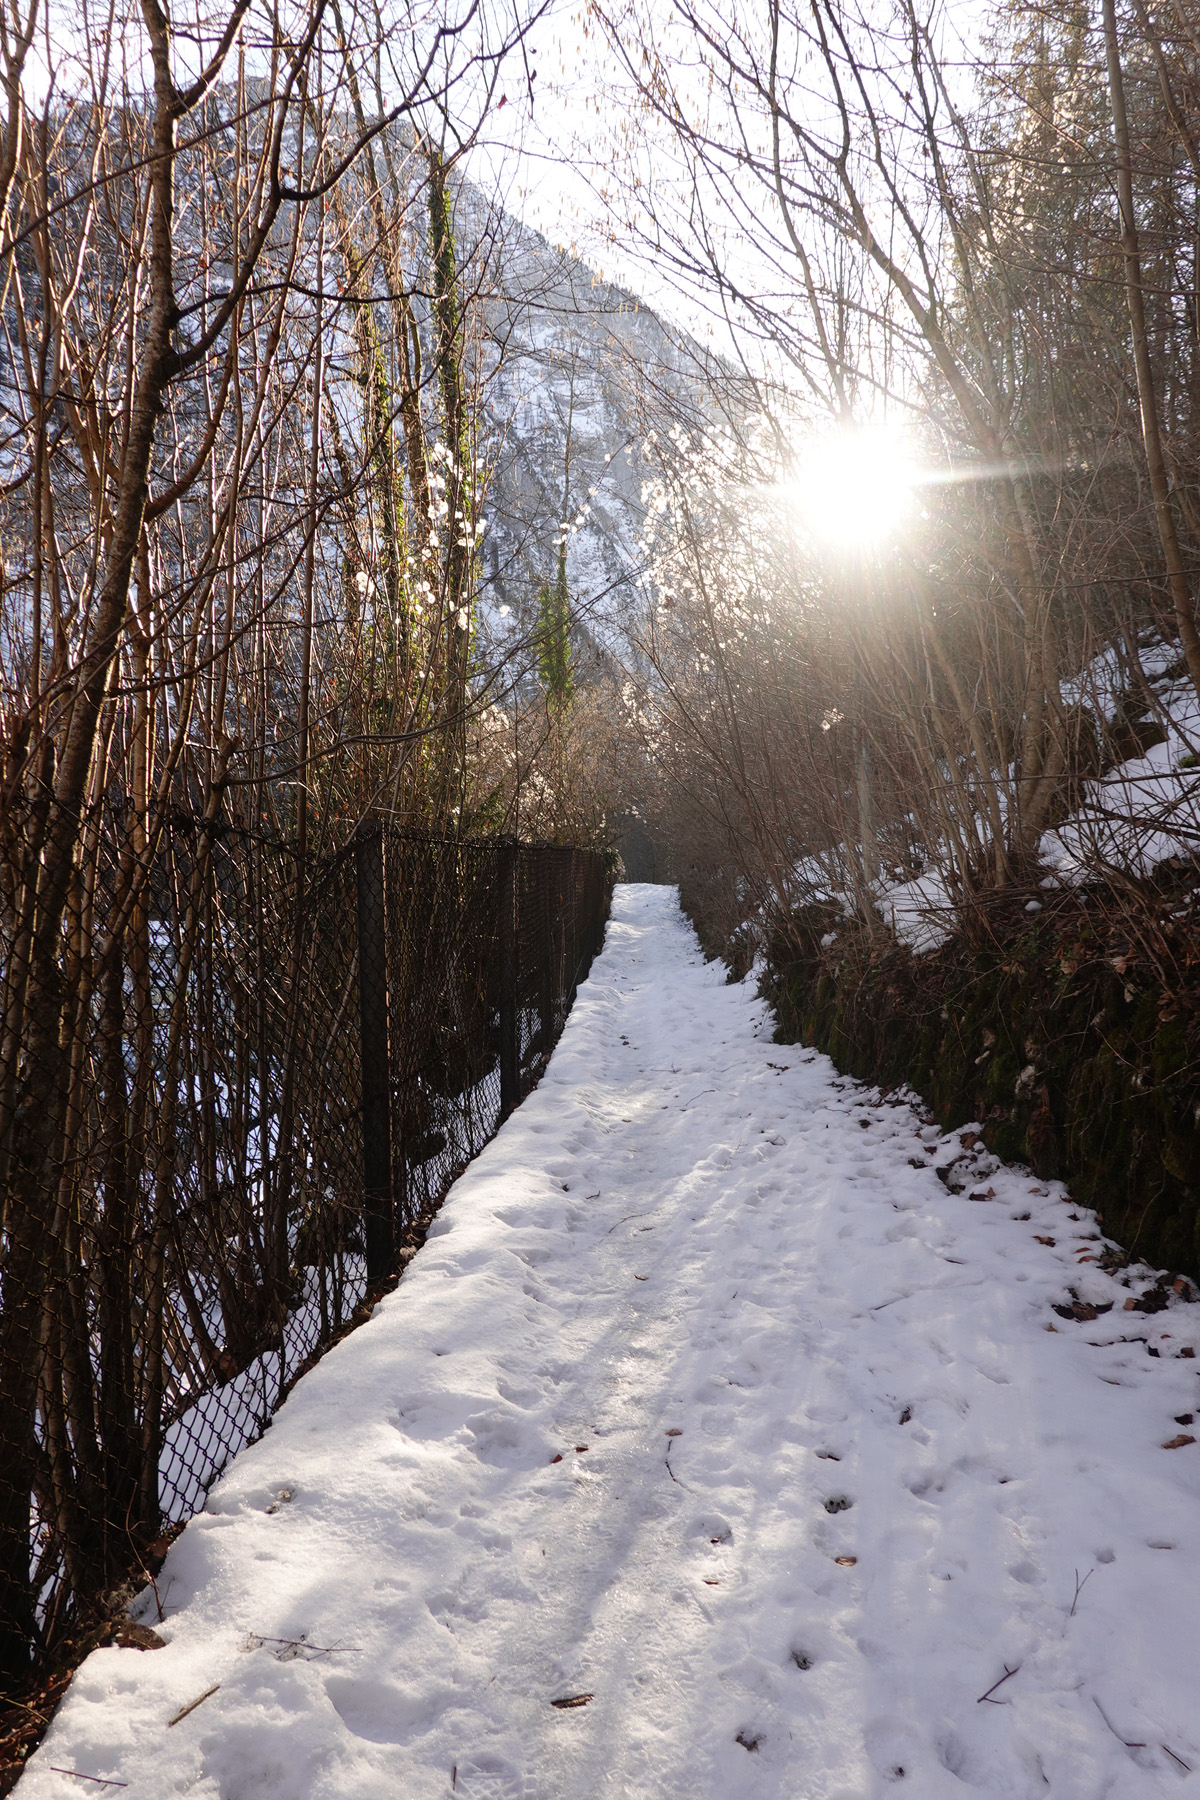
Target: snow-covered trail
(704, 1401)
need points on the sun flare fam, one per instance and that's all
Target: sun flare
(858, 488)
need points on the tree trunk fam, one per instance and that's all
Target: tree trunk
(1160, 487)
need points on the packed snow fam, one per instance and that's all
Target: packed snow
(723, 1440)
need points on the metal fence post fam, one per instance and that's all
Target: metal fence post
(573, 925)
(546, 949)
(510, 1067)
(560, 935)
(373, 1034)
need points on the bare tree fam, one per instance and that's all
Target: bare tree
(172, 331)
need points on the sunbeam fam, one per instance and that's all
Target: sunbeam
(858, 487)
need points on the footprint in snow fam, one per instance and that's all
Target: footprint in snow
(485, 1776)
(892, 1748)
(955, 1757)
(379, 1712)
(712, 1526)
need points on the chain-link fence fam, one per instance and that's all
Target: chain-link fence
(263, 1073)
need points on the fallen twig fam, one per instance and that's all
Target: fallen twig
(193, 1704)
(1177, 1759)
(570, 1700)
(257, 1639)
(106, 1781)
(1079, 1587)
(626, 1219)
(1128, 1742)
(1007, 1676)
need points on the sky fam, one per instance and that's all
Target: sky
(551, 149)
(540, 150)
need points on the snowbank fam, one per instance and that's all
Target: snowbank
(1144, 811)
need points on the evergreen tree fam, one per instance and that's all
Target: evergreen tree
(555, 663)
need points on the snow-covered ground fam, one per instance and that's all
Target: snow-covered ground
(712, 1410)
(1135, 817)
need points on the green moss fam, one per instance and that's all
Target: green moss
(1170, 1052)
(1145, 1015)
(1178, 1157)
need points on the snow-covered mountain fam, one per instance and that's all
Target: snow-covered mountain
(580, 373)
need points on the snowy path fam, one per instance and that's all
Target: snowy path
(826, 1473)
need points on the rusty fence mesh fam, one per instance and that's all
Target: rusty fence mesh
(264, 1073)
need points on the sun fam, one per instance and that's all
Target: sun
(857, 488)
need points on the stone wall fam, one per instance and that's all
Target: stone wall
(1073, 1039)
